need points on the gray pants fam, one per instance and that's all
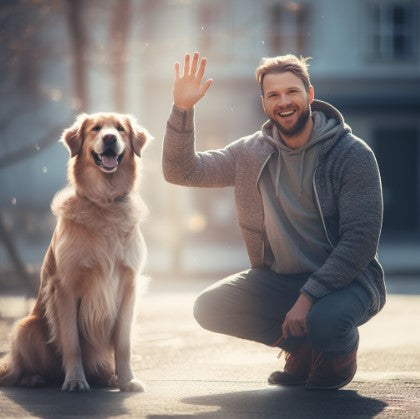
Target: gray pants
(253, 304)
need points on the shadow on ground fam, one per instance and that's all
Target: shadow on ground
(290, 403)
(54, 403)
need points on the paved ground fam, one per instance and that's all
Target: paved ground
(191, 372)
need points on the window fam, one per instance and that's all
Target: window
(288, 29)
(397, 151)
(212, 21)
(391, 30)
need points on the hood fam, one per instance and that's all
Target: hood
(325, 123)
(328, 127)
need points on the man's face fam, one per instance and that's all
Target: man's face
(286, 102)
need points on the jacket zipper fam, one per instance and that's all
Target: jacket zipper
(320, 209)
(263, 166)
(258, 189)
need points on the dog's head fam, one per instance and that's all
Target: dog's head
(104, 146)
(105, 137)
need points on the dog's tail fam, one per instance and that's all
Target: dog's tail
(8, 375)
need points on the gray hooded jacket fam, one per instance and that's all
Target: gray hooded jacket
(346, 187)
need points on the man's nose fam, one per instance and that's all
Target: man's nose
(283, 100)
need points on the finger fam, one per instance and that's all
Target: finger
(304, 326)
(177, 71)
(295, 332)
(295, 329)
(300, 329)
(194, 64)
(187, 65)
(285, 329)
(206, 86)
(202, 69)
(292, 330)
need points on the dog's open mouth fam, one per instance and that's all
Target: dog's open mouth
(108, 160)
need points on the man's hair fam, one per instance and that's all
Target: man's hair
(281, 64)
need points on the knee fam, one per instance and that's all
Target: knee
(204, 310)
(324, 328)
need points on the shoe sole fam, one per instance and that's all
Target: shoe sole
(335, 387)
(300, 384)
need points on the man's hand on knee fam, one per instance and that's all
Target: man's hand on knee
(295, 323)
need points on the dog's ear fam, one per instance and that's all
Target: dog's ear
(73, 137)
(139, 135)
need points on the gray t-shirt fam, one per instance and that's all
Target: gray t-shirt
(295, 240)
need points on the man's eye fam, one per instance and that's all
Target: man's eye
(120, 128)
(96, 128)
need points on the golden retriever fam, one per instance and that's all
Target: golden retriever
(79, 329)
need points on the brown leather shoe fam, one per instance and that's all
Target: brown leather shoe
(297, 368)
(331, 374)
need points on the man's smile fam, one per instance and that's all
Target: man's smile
(285, 114)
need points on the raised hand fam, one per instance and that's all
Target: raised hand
(188, 86)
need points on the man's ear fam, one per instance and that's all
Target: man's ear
(311, 93)
(73, 137)
(263, 104)
(139, 135)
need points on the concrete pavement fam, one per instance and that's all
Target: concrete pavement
(191, 372)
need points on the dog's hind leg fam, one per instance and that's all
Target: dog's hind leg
(31, 360)
(9, 372)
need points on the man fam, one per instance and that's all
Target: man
(309, 204)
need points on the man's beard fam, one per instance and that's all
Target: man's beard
(297, 128)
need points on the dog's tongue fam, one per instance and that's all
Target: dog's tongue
(109, 161)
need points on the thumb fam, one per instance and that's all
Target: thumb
(205, 86)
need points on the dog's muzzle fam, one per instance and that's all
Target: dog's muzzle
(109, 159)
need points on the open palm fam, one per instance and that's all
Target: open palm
(188, 86)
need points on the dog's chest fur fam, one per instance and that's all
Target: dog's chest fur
(107, 245)
(102, 235)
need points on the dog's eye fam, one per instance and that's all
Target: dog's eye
(120, 128)
(96, 128)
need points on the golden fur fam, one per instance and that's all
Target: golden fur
(79, 329)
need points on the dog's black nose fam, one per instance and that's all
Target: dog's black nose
(109, 139)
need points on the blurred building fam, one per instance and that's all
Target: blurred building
(366, 62)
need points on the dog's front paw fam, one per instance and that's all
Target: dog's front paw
(75, 385)
(132, 385)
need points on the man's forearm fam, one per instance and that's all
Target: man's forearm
(178, 145)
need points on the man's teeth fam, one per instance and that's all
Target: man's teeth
(285, 113)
